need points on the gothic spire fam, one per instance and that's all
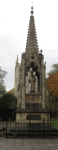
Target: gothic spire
(32, 44)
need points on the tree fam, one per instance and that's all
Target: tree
(2, 86)
(54, 69)
(4, 112)
(52, 84)
(12, 104)
(6, 105)
(2, 89)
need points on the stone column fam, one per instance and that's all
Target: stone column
(46, 97)
(40, 81)
(23, 71)
(36, 86)
(42, 74)
(43, 87)
(43, 96)
(42, 61)
(19, 98)
(23, 86)
(18, 118)
(16, 76)
(23, 98)
(27, 85)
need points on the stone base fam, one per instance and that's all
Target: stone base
(34, 117)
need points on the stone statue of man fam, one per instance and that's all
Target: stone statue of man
(32, 80)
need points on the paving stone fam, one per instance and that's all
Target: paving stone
(38, 144)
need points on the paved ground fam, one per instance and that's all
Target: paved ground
(28, 144)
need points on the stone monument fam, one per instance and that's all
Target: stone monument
(30, 81)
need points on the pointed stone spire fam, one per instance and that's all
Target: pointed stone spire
(17, 61)
(32, 44)
(17, 58)
(41, 51)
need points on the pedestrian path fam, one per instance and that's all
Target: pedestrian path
(28, 144)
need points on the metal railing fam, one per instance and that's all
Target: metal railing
(29, 129)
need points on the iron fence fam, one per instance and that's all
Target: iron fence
(31, 129)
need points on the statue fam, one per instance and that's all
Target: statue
(32, 80)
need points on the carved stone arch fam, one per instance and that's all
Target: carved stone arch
(37, 70)
(36, 64)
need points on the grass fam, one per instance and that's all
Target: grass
(54, 124)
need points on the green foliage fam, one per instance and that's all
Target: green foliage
(53, 101)
(54, 124)
(2, 89)
(54, 69)
(12, 104)
(5, 101)
(2, 86)
(12, 101)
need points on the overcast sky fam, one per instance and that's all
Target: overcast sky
(14, 22)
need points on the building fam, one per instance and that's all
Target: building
(12, 91)
(30, 81)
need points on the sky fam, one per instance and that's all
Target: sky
(14, 22)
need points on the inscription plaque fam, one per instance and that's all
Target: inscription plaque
(33, 117)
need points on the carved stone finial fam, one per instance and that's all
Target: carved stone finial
(45, 65)
(32, 9)
(17, 58)
(41, 51)
(23, 55)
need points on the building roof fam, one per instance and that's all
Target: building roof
(12, 90)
